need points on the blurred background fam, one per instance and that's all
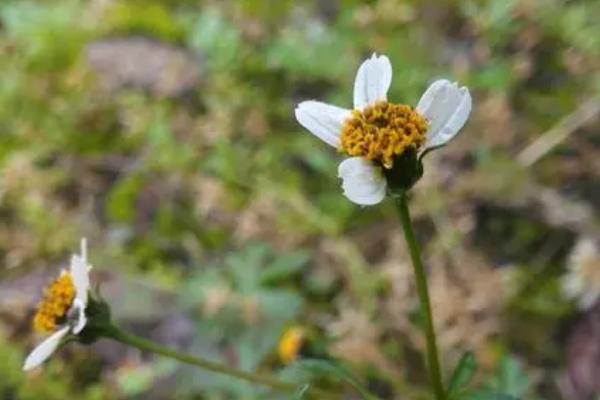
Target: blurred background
(163, 131)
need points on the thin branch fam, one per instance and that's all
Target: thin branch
(559, 132)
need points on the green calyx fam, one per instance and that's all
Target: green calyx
(406, 171)
(98, 320)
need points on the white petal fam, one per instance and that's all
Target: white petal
(430, 94)
(44, 349)
(362, 182)
(322, 120)
(79, 317)
(372, 81)
(446, 107)
(80, 274)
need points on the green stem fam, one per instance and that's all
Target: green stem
(120, 335)
(432, 358)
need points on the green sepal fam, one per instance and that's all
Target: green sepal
(98, 320)
(406, 171)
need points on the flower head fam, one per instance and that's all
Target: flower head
(384, 139)
(62, 309)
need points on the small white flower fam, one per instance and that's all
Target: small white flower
(582, 281)
(62, 310)
(375, 132)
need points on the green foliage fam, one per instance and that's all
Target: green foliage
(213, 35)
(314, 52)
(56, 382)
(135, 381)
(302, 391)
(510, 378)
(255, 307)
(122, 198)
(147, 18)
(462, 375)
(509, 382)
(307, 371)
(48, 37)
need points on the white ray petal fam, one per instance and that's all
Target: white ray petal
(446, 107)
(45, 349)
(362, 182)
(79, 318)
(322, 120)
(372, 81)
(80, 270)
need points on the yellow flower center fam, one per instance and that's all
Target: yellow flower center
(290, 344)
(57, 300)
(382, 131)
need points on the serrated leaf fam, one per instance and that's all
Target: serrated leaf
(463, 373)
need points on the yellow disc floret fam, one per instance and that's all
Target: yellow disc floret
(57, 300)
(382, 131)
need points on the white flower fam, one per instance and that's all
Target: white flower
(375, 132)
(582, 281)
(65, 300)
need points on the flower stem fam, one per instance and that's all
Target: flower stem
(148, 345)
(122, 336)
(432, 358)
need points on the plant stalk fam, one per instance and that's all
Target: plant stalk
(432, 357)
(127, 338)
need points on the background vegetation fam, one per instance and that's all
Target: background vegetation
(163, 131)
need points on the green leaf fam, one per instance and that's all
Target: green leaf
(121, 198)
(510, 378)
(283, 267)
(145, 18)
(215, 36)
(509, 382)
(463, 373)
(310, 369)
(301, 392)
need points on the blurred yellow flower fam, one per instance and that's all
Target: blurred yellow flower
(290, 344)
